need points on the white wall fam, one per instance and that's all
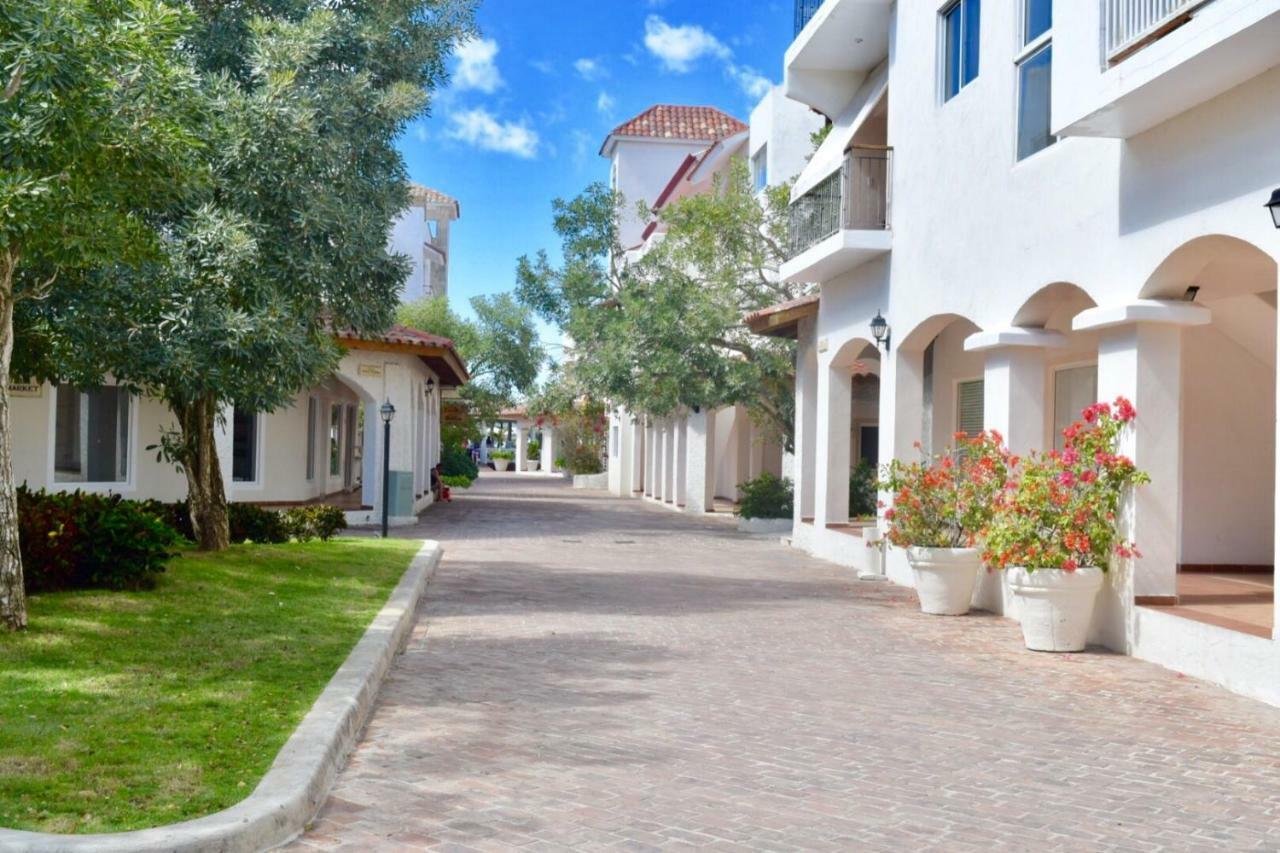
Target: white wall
(785, 126)
(644, 168)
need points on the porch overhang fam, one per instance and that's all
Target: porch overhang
(436, 352)
(783, 320)
(1165, 311)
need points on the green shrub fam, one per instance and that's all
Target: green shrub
(77, 540)
(534, 451)
(862, 490)
(252, 523)
(766, 496)
(502, 454)
(582, 459)
(457, 462)
(456, 482)
(322, 522)
(558, 463)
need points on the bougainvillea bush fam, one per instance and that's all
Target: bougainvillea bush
(946, 500)
(1060, 511)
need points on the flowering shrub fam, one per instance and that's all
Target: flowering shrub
(1060, 511)
(946, 501)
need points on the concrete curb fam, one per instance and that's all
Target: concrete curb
(297, 782)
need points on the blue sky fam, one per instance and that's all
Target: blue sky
(531, 102)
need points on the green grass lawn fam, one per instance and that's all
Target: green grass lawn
(129, 710)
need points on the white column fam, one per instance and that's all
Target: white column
(681, 451)
(636, 456)
(548, 449)
(650, 458)
(522, 448)
(700, 462)
(831, 494)
(742, 447)
(667, 462)
(1140, 357)
(806, 427)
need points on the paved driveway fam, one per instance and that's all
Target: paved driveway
(590, 674)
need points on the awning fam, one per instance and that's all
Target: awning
(783, 320)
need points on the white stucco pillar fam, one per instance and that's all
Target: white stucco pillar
(806, 427)
(1140, 357)
(700, 462)
(742, 448)
(548, 449)
(831, 492)
(667, 462)
(650, 457)
(1014, 381)
(636, 456)
(522, 449)
(681, 451)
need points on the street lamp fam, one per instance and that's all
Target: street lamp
(881, 331)
(1274, 205)
(388, 412)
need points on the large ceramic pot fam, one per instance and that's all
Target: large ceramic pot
(945, 578)
(1055, 606)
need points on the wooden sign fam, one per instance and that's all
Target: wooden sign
(25, 389)
(454, 414)
(369, 370)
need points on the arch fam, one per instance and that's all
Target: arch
(1219, 264)
(919, 338)
(1052, 307)
(857, 356)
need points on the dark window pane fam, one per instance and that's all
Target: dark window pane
(1038, 19)
(951, 51)
(244, 447)
(972, 31)
(1034, 86)
(91, 435)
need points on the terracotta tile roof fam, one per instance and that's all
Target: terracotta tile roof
(780, 321)
(668, 121)
(420, 195)
(452, 369)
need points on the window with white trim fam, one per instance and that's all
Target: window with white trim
(313, 417)
(335, 440)
(969, 406)
(760, 168)
(961, 42)
(1074, 390)
(1035, 78)
(244, 446)
(91, 435)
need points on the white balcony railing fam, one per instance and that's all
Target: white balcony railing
(1129, 25)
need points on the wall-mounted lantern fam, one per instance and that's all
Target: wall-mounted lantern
(881, 331)
(1274, 205)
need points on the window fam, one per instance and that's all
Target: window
(1037, 18)
(335, 440)
(1035, 79)
(969, 407)
(961, 28)
(760, 168)
(313, 415)
(1074, 390)
(244, 447)
(91, 435)
(869, 445)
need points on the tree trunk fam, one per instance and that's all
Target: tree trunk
(13, 600)
(206, 497)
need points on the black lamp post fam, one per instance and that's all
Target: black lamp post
(881, 331)
(388, 412)
(1274, 206)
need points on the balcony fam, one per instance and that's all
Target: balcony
(1130, 25)
(843, 222)
(838, 43)
(1155, 60)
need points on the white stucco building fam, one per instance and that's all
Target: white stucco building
(1051, 206)
(692, 459)
(422, 233)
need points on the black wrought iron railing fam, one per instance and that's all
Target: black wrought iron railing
(805, 9)
(854, 197)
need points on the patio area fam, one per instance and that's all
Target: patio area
(1239, 601)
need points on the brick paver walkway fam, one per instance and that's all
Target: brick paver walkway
(590, 673)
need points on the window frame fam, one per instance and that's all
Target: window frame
(259, 457)
(1054, 370)
(1024, 52)
(955, 414)
(128, 484)
(333, 443)
(760, 169)
(313, 422)
(944, 11)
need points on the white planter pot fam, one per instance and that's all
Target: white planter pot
(945, 578)
(1055, 606)
(533, 465)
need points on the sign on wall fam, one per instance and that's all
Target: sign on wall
(26, 389)
(369, 370)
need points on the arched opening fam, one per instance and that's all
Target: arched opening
(940, 386)
(1226, 531)
(853, 441)
(1070, 363)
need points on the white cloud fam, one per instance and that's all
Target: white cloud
(420, 132)
(481, 128)
(605, 104)
(543, 65)
(752, 82)
(476, 67)
(589, 69)
(680, 48)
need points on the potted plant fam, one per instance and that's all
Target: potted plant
(1054, 529)
(535, 455)
(766, 504)
(503, 460)
(941, 504)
